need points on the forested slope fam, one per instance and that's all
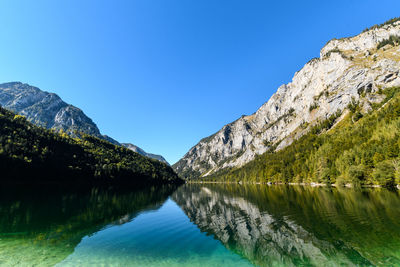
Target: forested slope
(348, 69)
(29, 153)
(363, 148)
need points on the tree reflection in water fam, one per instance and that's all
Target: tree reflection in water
(42, 226)
(294, 225)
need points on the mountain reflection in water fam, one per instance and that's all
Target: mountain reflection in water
(199, 225)
(294, 225)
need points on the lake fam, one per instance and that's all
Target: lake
(200, 225)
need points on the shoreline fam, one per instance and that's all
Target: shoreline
(312, 184)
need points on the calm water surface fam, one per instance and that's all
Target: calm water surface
(200, 225)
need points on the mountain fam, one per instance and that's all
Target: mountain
(349, 70)
(46, 109)
(144, 153)
(50, 111)
(353, 147)
(35, 155)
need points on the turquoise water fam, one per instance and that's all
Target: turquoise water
(165, 237)
(200, 225)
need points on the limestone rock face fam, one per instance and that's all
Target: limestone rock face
(144, 153)
(349, 69)
(45, 109)
(50, 111)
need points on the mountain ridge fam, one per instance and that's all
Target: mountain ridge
(144, 153)
(48, 110)
(31, 154)
(347, 70)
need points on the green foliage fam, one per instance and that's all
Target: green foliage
(360, 151)
(358, 115)
(335, 50)
(313, 106)
(325, 92)
(290, 113)
(393, 40)
(29, 153)
(389, 93)
(356, 174)
(389, 22)
(383, 173)
(353, 106)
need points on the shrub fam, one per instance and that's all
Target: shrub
(384, 173)
(313, 106)
(335, 50)
(393, 40)
(389, 22)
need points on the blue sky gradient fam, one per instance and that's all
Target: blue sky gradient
(162, 74)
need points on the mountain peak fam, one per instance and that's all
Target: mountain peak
(348, 69)
(50, 111)
(144, 153)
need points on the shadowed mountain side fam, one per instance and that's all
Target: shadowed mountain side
(32, 154)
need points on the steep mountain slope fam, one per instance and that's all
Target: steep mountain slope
(33, 154)
(361, 149)
(348, 70)
(50, 111)
(144, 153)
(45, 109)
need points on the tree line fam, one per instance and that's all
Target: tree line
(362, 149)
(30, 153)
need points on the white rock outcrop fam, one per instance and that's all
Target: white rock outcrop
(348, 69)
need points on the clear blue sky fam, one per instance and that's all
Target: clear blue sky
(163, 74)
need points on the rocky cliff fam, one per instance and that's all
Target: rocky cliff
(50, 111)
(45, 109)
(144, 153)
(348, 70)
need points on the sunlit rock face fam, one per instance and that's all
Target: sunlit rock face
(258, 233)
(348, 69)
(50, 111)
(144, 153)
(45, 109)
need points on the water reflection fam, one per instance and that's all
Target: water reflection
(291, 226)
(42, 226)
(266, 225)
